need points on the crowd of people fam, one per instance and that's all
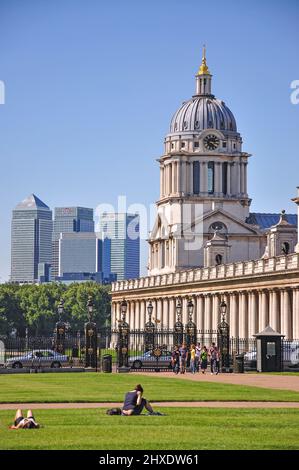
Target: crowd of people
(196, 357)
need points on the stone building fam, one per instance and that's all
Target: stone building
(205, 243)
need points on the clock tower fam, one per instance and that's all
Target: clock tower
(203, 186)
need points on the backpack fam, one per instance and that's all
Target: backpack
(113, 411)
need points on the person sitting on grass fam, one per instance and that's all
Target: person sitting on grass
(134, 403)
(24, 423)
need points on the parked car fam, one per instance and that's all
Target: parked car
(38, 358)
(150, 360)
(290, 351)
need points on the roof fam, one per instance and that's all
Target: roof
(266, 220)
(203, 112)
(268, 331)
(31, 202)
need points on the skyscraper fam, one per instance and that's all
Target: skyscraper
(31, 233)
(66, 220)
(123, 231)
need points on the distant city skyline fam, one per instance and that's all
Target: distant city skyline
(90, 92)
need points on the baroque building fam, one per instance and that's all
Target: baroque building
(205, 242)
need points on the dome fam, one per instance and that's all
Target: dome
(203, 112)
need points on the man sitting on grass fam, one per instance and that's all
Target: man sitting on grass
(134, 403)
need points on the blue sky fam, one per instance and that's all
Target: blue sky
(90, 88)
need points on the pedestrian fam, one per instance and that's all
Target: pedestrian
(175, 360)
(24, 423)
(197, 357)
(192, 358)
(204, 359)
(214, 355)
(183, 357)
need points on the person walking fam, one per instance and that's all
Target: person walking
(214, 359)
(197, 357)
(183, 357)
(192, 358)
(175, 360)
(204, 359)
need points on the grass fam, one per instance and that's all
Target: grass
(181, 428)
(97, 387)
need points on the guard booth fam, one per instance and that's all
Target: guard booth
(268, 350)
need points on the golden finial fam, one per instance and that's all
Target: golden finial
(203, 69)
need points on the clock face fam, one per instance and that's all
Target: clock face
(211, 142)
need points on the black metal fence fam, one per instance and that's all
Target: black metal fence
(142, 350)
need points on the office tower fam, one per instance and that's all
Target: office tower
(31, 233)
(84, 256)
(69, 220)
(123, 231)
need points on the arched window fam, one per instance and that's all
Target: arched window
(219, 227)
(196, 177)
(285, 248)
(218, 259)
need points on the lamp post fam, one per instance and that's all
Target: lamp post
(90, 337)
(123, 339)
(190, 326)
(178, 327)
(223, 338)
(149, 333)
(60, 329)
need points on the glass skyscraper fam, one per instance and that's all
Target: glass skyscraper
(123, 231)
(31, 234)
(66, 220)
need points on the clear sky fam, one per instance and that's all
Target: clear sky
(91, 85)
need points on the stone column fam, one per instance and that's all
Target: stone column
(241, 177)
(137, 315)
(200, 312)
(161, 181)
(274, 310)
(228, 184)
(263, 310)
(203, 177)
(252, 314)
(218, 179)
(183, 177)
(243, 315)
(174, 177)
(142, 314)
(190, 188)
(216, 303)
(208, 312)
(286, 314)
(296, 312)
(238, 178)
(184, 310)
(179, 170)
(165, 318)
(245, 178)
(234, 314)
(172, 305)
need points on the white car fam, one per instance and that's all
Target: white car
(38, 358)
(290, 353)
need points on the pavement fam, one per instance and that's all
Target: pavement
(279, 382)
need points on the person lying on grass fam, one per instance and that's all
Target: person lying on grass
(134, 403)
(24, 423)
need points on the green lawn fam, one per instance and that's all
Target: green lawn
(95, 387)
(185, 428)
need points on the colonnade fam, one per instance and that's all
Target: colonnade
(248, 311)
(176, 176)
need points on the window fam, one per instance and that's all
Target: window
(234, 146)
(224, 178)
(218, 259)
(224, 145)
(182, 145)
(285, 248)
(211, 177)
(195, 177)
(196, 145)
(172, 145)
